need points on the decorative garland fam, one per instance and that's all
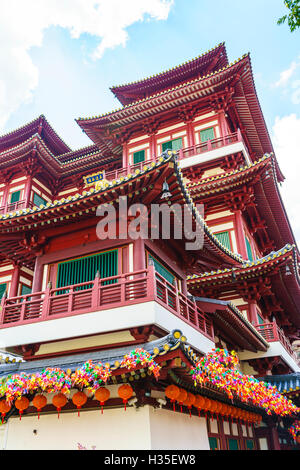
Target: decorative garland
(142, 357)
(220, 369)
(51, 380)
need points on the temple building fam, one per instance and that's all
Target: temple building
(141, 313)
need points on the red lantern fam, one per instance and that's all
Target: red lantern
(182, 397)
(79, 399)
(39, 402)
(59, 401)
(125, 392)
(102, 394)
(21, 404)
(172, 392)
(199, 403)
(189, 401)
(4, 408)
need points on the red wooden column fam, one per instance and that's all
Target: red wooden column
(139, 258)
(125, 155)
(13, 292)
(28, 188)
(190, 134)
(222, 123)
(252, 313)
(38, 275)
(152, 142)
(241, 242)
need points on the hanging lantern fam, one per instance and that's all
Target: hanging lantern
(4, 408)
(125, 392)
(59, 401)
(189, 401)
(213, 408)
(21, 404)
(102, 395)
(172, 392)
(39, 402)
(79, 399)
(182, 397)
(199, 403)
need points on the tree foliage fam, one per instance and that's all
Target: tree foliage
(293, 18)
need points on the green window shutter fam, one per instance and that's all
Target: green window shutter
(213, 443)
(224, 238)
(15, 197)
(85, 269)
(38, 200)
(139, 156)
(2, 289)
(261, 321)
(249, 444)
(207, 134)
(162, 270)
(233, 444)
(249, 250)
(25, 290)
(175, 144)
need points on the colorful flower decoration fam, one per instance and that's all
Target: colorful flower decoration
(52, 380)
(141, 357)
(220, 369)
(294, 430)
(90, 376)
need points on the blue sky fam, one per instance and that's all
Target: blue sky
(60, 57)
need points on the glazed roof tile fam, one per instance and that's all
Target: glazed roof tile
(284, 383)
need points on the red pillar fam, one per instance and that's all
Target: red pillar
(139, 258)
(38, 275)
(152, 142)
(28, 189)
(222, 123)
(190, 134)
(5, 195)
(241, 242)
(274, 438)
(125, 156)
(252, 313)
(13, 292)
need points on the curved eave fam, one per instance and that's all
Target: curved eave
(79, 161)
(228, 319)
(38, 125)
(214, 59)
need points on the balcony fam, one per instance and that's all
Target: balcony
(129, 290)
(279, 346)
(271, 333)
(213, 149)
(16, 206)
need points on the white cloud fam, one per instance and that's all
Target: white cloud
(286, 131)
(286, 74)
(23, 23)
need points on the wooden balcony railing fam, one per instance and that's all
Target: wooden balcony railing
(209, 145)
(16, 206)
(102, 294)
(271, 333)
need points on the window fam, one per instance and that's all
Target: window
(249, 444)
(261, 321)
(213, 443)
(207, 134)
(175, 144)
(249, 250)
(38, 200)
(139, 157)
(233, 444)
(2, 289)
(15, 196)
(85, 269)
(224, 238)
(162, 270)
(25, 290)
